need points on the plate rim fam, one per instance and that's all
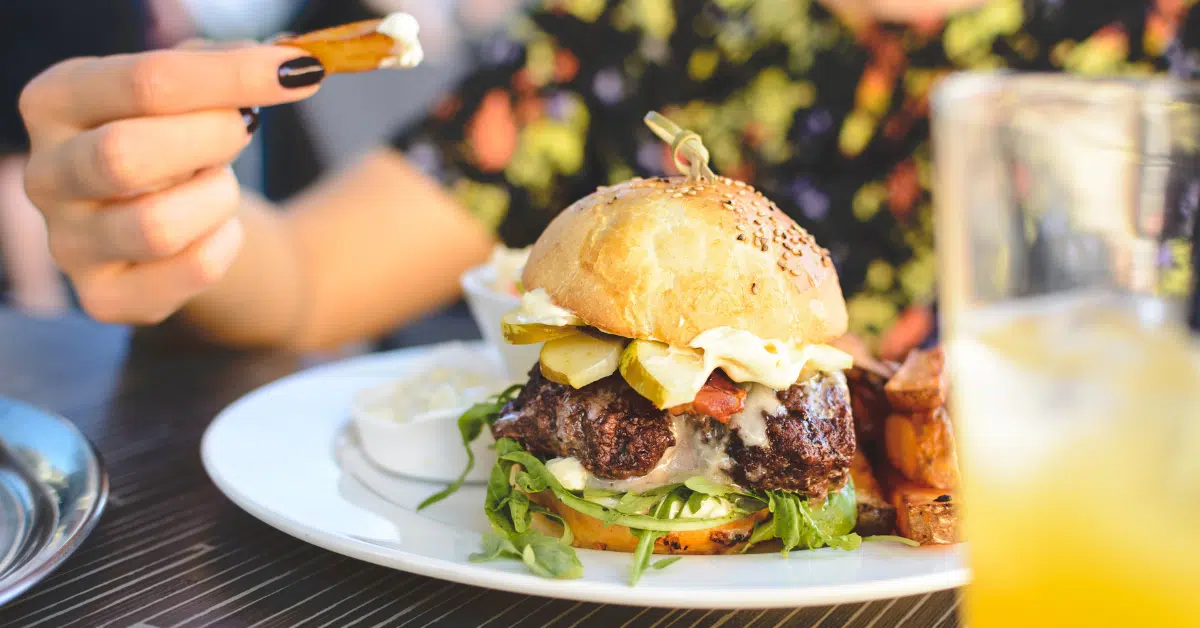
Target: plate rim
(580, 589)
(46, 563)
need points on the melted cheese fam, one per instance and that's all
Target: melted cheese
(537, 308)
(775, 363)
(751, 423)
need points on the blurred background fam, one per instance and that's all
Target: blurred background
(295, 144)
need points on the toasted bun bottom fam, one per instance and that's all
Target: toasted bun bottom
(592, 533)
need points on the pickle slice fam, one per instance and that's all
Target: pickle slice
(531, 333)
(665, 375)
(579, 359)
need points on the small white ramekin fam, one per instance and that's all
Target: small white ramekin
(487, 305)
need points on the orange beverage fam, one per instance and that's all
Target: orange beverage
(1064, 219)
(1081, 436)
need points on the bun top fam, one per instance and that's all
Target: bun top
(667, 258)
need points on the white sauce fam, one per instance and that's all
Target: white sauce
(403, 29)
(536, 307)
(776, 363)
(569, 472)
(751, 423)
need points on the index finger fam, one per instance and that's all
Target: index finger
(92, 92)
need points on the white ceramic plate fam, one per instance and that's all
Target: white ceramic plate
(283, 453)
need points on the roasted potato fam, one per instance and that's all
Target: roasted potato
(926, 515)
(920, 384)
(921, 446)
(876, 515)
(869, 407)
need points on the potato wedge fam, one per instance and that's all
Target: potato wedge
(869, 407)
(926, 515)
(920, 384)
(922, 447)
(876, 515)
(356, 47)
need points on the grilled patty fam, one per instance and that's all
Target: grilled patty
(617, 434)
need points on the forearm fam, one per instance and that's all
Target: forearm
(259, 302)
(360, 253)
(379, 246)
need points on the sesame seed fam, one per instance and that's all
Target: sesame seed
(740, 184)
(754, 288)
(765, 248)
(793, 272)
(728, 195)
(691, 192)
(741, 237)
(782, 264)
(740, 227)
(677, 195)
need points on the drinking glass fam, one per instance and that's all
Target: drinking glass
(1064, 211)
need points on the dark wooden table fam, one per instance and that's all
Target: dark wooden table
(172, 551)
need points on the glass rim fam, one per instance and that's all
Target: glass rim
(964, 85)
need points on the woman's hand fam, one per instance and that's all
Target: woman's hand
(130, 166)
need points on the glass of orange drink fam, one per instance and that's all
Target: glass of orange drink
(1064, 216)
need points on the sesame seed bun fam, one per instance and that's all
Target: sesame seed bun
(666, 259)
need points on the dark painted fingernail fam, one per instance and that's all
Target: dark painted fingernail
(301, 72)
(250, 117)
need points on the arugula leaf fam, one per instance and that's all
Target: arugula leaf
(518, 506)
(647, 538)
(567, 536)
(593, 494)
(592, 509)
(787, 521)
(695, 502)
(510, 512)
(800, 524)
(890, 537)
(701, 484)
(666, 562)
(764, 531)
(470, 426)
(494, 546)
(548, 558)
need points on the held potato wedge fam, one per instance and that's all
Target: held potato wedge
(920, 384)
(921, 446)
(876, 515)
(926, 515)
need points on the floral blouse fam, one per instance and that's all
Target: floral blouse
(829, 118)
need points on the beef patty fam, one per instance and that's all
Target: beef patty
(617, 434)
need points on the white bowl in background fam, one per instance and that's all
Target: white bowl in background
(487, 305)
(409, 425)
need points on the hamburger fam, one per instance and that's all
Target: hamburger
(685, 400)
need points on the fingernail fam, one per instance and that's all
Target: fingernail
(250, 117)
(301, 72)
